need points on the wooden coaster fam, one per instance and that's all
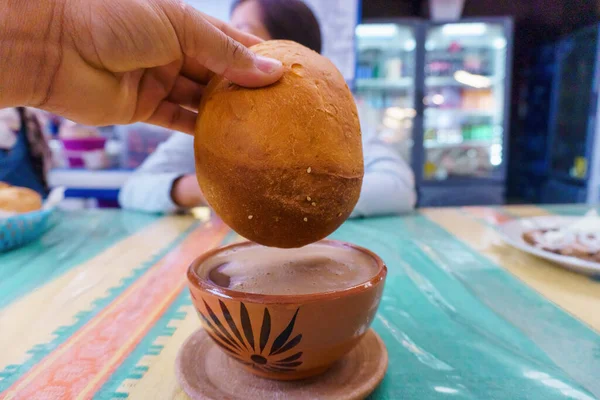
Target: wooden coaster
(205, 372)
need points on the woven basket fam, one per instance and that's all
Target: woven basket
(18, 230)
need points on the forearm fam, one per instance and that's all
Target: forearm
(186, 193)
(31, 32)
(384, 194)
(166, 180)
(161, 192)
(149, 193)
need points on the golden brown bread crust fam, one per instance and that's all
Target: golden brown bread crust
(4, 185)
(19, 200)
(281, 165)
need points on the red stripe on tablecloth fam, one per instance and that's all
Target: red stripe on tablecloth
(84, 362)
(490, 215)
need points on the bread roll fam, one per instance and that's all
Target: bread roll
(19, 200)
(4, 185)
(281, 165)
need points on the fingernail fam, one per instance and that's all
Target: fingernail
(267, 65)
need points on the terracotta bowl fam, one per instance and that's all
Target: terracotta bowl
(285, 337)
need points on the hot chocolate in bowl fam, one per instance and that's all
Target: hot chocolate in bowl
(287, 314)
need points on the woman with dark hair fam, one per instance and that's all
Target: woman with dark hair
(167, 180)
(278, 19)
(24, 153)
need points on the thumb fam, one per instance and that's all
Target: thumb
(219, 52)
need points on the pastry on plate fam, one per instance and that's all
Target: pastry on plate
(580, 240)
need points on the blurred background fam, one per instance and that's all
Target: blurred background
(489, 101)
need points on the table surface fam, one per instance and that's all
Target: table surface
(98, 308)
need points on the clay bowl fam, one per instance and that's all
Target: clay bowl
(285, 337)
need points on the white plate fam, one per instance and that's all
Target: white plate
(512, 233)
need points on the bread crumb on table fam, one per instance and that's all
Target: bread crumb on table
(309, 169)
(250, 216)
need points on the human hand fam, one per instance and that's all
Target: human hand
(186, 192)
(101, 62)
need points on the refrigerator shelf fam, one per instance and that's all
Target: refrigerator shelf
(460, 112)
(385, 84)
(434, 144)
(437, 81)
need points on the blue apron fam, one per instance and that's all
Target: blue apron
(15, 165)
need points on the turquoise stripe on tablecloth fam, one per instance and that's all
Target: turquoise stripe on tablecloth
(12, 373)
(74, 239)
(456, 324)
(570, 209)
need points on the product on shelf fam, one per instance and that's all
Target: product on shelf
(393, 68)
(477, 99)
(445, 62)
(447, 97)
(83, 145)
(72, 130)
(139, 141)
(457, 161)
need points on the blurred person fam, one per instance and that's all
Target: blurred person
(24, 153)
(166, 181)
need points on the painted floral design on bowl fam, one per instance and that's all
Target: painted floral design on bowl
(240, 343)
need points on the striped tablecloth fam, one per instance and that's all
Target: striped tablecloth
(99, 307)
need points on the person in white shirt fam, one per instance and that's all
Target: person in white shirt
(166, 181)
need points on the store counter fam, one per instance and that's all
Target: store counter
(100, 185)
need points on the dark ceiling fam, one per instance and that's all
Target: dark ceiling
(539, 20)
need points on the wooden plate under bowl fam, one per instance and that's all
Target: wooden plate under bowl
(205, 372)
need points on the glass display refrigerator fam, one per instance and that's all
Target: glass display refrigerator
(574, 149)
(439, 93)
(385, 84)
